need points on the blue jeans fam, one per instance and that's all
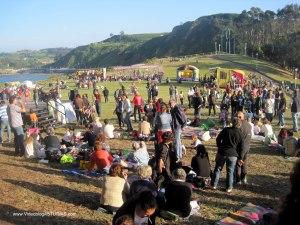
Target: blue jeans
(269, 116)
(295, 117)
(230, 167)
(128, 121)
(177, 143)
(19, 140)
(281, 117)
(5, 124)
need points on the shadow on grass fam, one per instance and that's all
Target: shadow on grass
(275, 187)
(75, 179)
(89, 200)
(7, 152)
(9, 215)
(241, 198)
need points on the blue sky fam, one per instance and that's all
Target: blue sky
(36, 24)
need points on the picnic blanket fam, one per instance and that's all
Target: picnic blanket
(189, 131)
(80, 173)
(248, 215)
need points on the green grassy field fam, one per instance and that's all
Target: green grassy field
(202, 62)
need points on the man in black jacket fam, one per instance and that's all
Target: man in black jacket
(141, 209)
(295, 109)
(241, 168)
(230, 144)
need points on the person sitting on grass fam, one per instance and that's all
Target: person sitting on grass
(144, 129)
(89, 136)
(124, 220)
(140, 154)
(68, 138)
(178, 194)
(290, 145)
(108, 129)
(33, 118)
(196, 141)
(52, 143)
(115, 189)
(141, 209)
(267, 132)
(144, 183)
(97, 126)
(102, 139)
(201, 166)
(196, 122)
(101, 158)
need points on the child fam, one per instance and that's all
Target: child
(196, 141)
(33, 118)
(224, 113)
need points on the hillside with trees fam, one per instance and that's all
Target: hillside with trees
(269, 35)
(31, 58)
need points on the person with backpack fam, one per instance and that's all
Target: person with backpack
(178, 122)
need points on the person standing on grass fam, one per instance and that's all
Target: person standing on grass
(105, 94)
(281, 109)
(190, 95)
(178, 122)
(4, 122)
(137, 103)
(127, 109)
(119, 111)
(197, 103)
(78, 104)
(97, 98)
(295, 109)
(14, 112)
(229, 143)
(269, 107)
(245, 128)
(211, 103)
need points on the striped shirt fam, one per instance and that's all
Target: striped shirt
(3, 113)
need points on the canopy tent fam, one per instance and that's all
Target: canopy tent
(187, 73)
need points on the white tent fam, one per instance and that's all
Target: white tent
(29, 84)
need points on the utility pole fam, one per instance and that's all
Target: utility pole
(233, 45)
(216, 49)
(226, 40)
(245, 48)
(229, 51)
(221, 42)
(219, 48)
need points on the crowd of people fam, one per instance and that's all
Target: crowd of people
(163, 183)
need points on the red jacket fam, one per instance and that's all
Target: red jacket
(101, 158)
(137, 100)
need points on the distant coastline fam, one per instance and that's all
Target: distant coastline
(8, 71)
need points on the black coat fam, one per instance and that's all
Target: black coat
(201, 166)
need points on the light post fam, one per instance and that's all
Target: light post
(295, 78)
